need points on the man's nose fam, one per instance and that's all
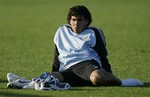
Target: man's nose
(76, 22)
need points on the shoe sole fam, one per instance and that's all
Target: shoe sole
(12, 86)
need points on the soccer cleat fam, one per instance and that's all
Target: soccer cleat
(15, 81)
(38, 83)
(31, 85)
(12, 77)
(131, 82)
(52, 83)
(44, 75)
(18, 83)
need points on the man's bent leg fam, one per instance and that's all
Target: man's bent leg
(102, 78)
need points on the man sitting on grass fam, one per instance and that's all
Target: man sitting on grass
(80, 58)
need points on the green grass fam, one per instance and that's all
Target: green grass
(27, 28)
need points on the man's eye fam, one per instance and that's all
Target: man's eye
(73, 19)
(76, 19)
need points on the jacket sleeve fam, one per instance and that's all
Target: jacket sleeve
(100, 48)
(56, 62)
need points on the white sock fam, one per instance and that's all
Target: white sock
(131, 82)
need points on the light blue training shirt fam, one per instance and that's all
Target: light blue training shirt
(74, 48)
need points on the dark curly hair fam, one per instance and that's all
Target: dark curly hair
(79, 10)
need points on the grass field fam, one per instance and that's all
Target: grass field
(27, 28)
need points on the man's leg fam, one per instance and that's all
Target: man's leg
(100, 77)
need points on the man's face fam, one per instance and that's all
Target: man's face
(78, 23)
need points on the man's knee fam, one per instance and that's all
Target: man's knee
(97, 78)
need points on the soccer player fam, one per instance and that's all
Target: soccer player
(80, 52)
(80, 57)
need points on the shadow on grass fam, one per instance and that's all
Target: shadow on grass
(10, 94)
(146, 84)
(3, 81)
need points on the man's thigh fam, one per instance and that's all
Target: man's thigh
(85, 68)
